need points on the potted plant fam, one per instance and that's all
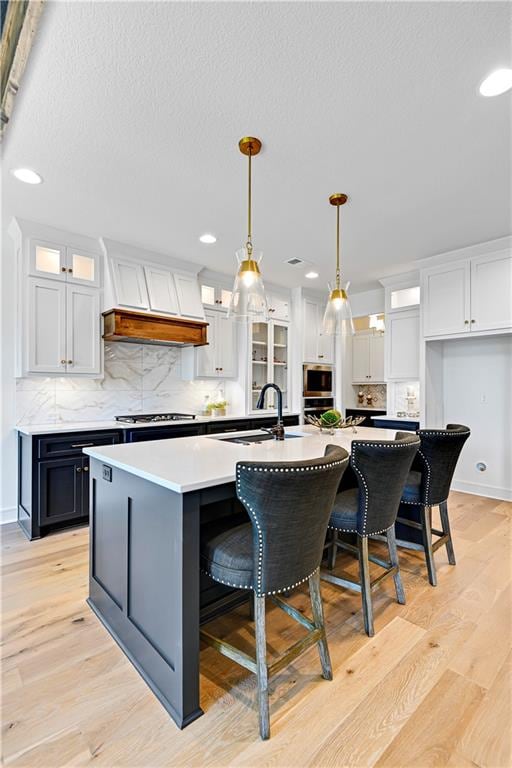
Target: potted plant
(217, 408)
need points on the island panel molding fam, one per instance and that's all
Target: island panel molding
(146, 328)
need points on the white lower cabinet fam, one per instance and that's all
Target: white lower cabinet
(367, 358)
(218, 359)
(63, 324)
(402, 345)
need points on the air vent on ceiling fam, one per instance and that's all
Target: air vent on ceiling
(294, 261)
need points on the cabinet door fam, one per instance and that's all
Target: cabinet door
(46, 326)
(83, 268)
(83, 335)
(226, 344)
(278, 307)
(60, 490)
(361, 359)
(47, 259)
(402, 343)
(491, 292)
(260, 352)
(376, 359)
(325, 344)
(206, 356)
(446, 299)
(279, 371)
(129, 283)
(189, 297)
(310, 352)
(161, 290)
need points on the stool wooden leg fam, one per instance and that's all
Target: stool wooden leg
(318, 619)
(262, 669)
(393, 556)
(426, 526)
(445, 525)
(333, 551)
(364, 576)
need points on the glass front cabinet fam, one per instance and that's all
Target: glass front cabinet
(269, 356)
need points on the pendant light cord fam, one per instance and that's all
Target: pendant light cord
(249, 208)
(337, 246)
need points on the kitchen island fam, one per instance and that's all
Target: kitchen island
(147, 504)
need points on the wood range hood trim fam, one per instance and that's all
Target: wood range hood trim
(147, 328)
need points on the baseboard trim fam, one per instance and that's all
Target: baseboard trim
(8, 515)
(491, 492)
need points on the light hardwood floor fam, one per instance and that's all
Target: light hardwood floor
(432, 688)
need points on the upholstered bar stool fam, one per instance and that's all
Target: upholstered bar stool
(281, 547)
(428, 485)
(381, 469)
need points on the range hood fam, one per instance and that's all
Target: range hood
(146, 328)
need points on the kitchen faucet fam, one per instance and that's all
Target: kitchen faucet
(278, 429)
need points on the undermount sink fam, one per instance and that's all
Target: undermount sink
(246, 440)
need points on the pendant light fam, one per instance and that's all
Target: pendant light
(248, 300)
(338, 315)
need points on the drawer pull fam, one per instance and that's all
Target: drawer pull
(81, 445)
(231, 430)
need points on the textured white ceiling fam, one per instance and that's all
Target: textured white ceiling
(132, 113)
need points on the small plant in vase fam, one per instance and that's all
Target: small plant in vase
(217, 408)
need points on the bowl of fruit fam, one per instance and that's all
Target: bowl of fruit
(332, 420)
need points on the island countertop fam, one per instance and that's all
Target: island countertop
(191, 463)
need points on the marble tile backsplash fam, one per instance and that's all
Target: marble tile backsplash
(377, 391)
(138, 378)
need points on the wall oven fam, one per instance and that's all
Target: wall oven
(317, 380)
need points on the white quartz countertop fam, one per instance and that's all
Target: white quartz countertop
(190, 463)
(397, 418)
(91, 426)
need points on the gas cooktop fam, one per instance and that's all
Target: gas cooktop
(151, 417)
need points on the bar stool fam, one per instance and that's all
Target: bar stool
(281, 547)
(428, 485)
(380, 469)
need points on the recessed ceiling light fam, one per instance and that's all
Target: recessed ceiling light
(312, 275)
(27, 175)
(207, 238)
(497, 82)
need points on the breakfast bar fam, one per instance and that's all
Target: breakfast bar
(147, 504)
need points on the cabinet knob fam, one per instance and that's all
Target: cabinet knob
(320, 356)
(79, 469)
(466, 322)
(63, 269)
(63, 362)
(473, 321)
(86, 469)
(70, 270)
(69, 362)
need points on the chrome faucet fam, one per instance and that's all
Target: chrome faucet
(278, 429)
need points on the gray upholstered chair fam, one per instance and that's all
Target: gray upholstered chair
(380, 469)
(428, 485)
(281, 547)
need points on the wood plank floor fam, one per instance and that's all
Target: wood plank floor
(432, 688)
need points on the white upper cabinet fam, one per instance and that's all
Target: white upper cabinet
(318, 348)
(468, 296)
(46, 326)
(62, 262)
(215, 296)
(491, 292)
(446, 296)
(130, 284)
(161, 290)
(402, 345)
(189, 296)
(218, 359)
(82, 330)
(367, 358)
(63, 324)
(278, 307)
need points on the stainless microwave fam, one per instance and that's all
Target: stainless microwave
(317, 380)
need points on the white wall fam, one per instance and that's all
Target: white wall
(8, 456)
(477, 387)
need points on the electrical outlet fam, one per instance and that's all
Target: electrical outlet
(107, 473)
